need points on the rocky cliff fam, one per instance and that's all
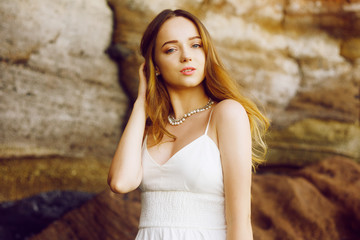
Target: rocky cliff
(59, 89)
(61, 104)
(318, 202)
(299, 59)
(68, 73)
(63, 100)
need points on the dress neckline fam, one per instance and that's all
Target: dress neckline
(184, 147)
(179, 151)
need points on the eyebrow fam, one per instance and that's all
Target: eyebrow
(175, 41)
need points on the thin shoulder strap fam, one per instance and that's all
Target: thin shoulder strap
(207, 126)
(144, 144)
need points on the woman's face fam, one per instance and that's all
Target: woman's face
(179, 55)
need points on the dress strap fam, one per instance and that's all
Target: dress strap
(144, 144)
(207, 126)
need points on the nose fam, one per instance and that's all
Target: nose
(185, 57)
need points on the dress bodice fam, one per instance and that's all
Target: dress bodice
(185, 192)
(194, 168)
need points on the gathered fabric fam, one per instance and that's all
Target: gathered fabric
(183, 198)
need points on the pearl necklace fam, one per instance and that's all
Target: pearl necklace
(179, 121)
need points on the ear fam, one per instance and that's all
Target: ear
(157, 71)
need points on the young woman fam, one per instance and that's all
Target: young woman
(191, 140)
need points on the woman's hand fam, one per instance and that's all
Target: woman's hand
(142, 83)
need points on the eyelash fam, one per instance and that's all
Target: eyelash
(198, 45)
(195, 45)
(170, 50)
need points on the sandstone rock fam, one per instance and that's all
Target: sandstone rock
(298, 58)
(312, 140)
(350, 48)
(59, 90)
(319, 202)
(60, 94)
(21, 178)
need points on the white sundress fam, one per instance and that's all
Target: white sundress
(183, 199)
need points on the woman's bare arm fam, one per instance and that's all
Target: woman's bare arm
(234, 137)
(125, 172)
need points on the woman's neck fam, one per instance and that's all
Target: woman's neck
(187, 100)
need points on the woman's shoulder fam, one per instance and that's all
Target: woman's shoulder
(229, 118)
(231, 122)
(229, 109)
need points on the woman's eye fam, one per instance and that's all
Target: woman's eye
(196, 45)
(170, 50)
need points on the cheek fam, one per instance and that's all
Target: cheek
(203, 62)
(165, 69)
(201, 57)
(160, 61)
(163, 64)
(167, 73)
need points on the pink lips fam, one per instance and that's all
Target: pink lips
(188, 70)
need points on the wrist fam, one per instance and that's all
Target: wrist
(140, 103)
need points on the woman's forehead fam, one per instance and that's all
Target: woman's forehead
(177, 28)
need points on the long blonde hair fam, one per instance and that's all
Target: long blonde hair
(217, 83)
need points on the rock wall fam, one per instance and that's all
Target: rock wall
(59, 91)
(61, 105)
(299, 59)
(319, 202)
(62, 97)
